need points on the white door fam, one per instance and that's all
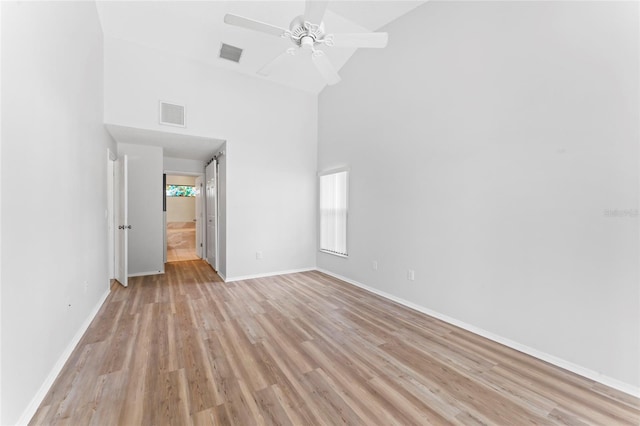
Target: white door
(111, 216)
(199, 215)
(122, 227)
(212, 213)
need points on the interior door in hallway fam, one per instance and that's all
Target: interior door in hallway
(212, 214)
(122, 229)
(199, 215)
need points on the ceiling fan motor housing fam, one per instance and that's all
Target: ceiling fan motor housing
(305, 34)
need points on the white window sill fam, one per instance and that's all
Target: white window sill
(345, 256)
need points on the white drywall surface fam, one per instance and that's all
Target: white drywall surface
(54, 170)
(271, 142)
(489, 146)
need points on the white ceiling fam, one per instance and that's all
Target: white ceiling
(174, 145)
(195, 30)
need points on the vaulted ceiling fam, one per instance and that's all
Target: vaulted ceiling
(196, 30)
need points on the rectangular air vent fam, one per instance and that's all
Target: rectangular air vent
(172, 114)
(231, 53)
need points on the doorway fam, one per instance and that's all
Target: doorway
(117, 217)
(211, 191)
(181, 216)
(111, 220)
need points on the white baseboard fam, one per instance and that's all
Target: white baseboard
(31, 409)
(144, 274)
(551, 359)
(267, 274)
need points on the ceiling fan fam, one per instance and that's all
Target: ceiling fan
(308, 34)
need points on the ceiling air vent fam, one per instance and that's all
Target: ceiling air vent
(172, 114)
(230, 53)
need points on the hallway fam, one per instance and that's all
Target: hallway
(181, 241)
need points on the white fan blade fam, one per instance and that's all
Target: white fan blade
(314, 10)
(376, 40)
(251, 24)
(266, 70)
(323, 65)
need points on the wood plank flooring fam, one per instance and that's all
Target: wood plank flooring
(181, 241)
(302, 349)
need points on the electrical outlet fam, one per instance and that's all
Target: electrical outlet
(259, 255)
(411, 275)
(374, 265)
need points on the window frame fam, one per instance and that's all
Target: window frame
(347, 170)
(166, 190)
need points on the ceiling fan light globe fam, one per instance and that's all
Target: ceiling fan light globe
(307, 42)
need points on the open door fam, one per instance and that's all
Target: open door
(199, 216)
(122, 231)
(211, 175)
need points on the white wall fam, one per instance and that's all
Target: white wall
(55, 146)
(485, 145)
(271, 139)
(181, 180)
(183, 165)
(181, 209)
(145, 191)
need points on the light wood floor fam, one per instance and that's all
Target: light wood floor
(181, 241)
(184, 348)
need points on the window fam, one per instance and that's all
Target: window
(333, 212)
(181, 191)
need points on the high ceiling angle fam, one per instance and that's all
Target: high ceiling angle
(307, 32)
(259, 31)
